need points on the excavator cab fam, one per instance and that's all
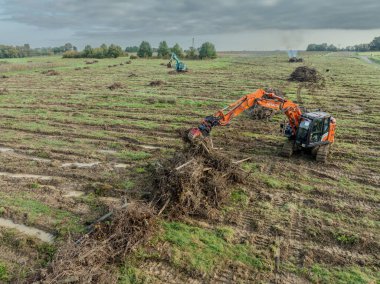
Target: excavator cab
(315, 132)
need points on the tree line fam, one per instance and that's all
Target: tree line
(9, 51)
(104, 51)
(374, 45)
(207, 50)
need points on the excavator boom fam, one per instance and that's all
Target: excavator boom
(258, 98)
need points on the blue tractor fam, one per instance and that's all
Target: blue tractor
(180, 66)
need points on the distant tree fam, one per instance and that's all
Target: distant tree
(114, 51)
(145, 50)
(321, 47)
(192, 53)
(67, 47)
(311, 47)
(207, 50)
(131, 49)
(88, 51)
(163, 50)
(375, 44)
(71, 54)
(332, 47)
(177, 49)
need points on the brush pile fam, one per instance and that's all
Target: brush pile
(195, 181)
(96, 257)
(305, 74)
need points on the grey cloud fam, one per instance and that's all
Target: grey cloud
(92, 18)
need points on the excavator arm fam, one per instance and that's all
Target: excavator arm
(180, 66)
(258, 98)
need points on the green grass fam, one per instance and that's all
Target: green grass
(352, 275)
(133, 275)
(4, 276)
(133, 155)
(63, 220)
(203, 250)
(239, 197)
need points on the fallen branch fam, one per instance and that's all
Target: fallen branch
(241, 161)
(184, 165)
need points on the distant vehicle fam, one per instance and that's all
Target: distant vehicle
(295, 59)
(180, 66)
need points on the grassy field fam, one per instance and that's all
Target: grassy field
(373, 56)
(72, 148)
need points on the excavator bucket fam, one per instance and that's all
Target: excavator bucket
(194, 134)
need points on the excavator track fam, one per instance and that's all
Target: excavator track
(287, 149)
(322, 153)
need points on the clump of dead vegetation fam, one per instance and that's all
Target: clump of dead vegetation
(3, 91)
(115, 86)
(308, 78)
(305, 74)
(132, 75)
(195, 181)
(156, 83)
(95, 257)
(92, 62)
(50, 72)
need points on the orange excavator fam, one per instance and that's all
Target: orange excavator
(310, 131)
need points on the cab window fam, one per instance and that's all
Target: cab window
(316, 132)
(326, 124)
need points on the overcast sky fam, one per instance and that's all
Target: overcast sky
(230, 24)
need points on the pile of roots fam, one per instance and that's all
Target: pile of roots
(259, 112)
(50, 72)
(305, 74)
(156, 83)
(115, 86)
(195, 181)
(95, 258)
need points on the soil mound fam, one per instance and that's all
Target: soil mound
(93, 259)
(50, 72)
(195, 181)
(3, 91)
(115, 86)
(156, 83)
(305, 74)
